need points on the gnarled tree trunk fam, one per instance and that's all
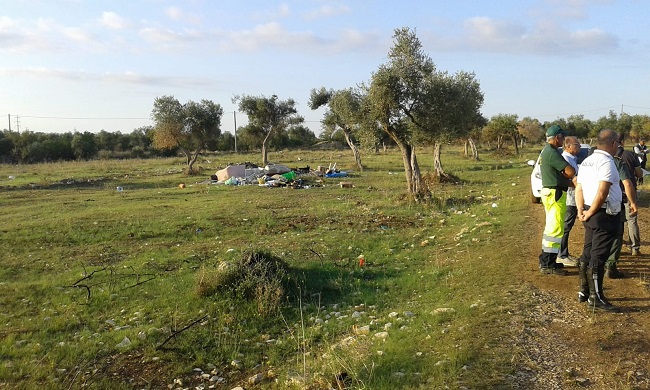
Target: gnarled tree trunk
(472, 145)
(355, 150)
(265, 153)
(411, 167)
(437, 164)
(514, 141)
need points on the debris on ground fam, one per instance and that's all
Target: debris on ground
(276, 175)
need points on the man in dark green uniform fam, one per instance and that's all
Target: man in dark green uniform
(556, 179)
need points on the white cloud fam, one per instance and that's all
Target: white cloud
(282, 11)
(174, 13)
(572, 9)
(178, 15)
(327, 11)
(78, 35)
(6, 23)
(126, 77)
(275, 36)
(113, 21)
(544, 38)
(20, 36)
(267, 35)
(167, 37)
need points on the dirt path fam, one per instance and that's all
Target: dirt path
(565, 345)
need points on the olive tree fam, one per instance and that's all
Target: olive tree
(343, 113)
(502, 127)
(530, 129)
(415, 104)
(268, 116)
(190, 126)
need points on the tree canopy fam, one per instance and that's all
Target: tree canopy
(416, 104)
(344, 112)
(190, 126)
(268, 116)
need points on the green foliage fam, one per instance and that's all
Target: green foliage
(502, 127)
(345, 112)
(530, 130)
(190, 126)
(267, 117)
(259, 276)
(84, 145)
(416, 104)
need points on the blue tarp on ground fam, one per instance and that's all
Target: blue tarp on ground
(337, 174)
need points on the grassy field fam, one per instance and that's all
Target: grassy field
(102, 288)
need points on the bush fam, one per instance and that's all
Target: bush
(258, 276)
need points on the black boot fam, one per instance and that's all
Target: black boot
(612, 272)
(596, 297)
(583, 294)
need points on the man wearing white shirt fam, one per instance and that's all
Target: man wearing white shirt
(598, 200)
(570, 150)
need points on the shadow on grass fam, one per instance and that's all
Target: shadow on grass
(334, 285)
(458, 202)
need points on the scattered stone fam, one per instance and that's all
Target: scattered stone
(381, 335)
(442, 310)
(124, 343)
(255, 379)
(346, 342)
(582, 381)
(361, 329)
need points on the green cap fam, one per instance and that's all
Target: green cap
(554, 130)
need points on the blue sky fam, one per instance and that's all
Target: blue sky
(88, 65)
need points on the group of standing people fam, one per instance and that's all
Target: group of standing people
(601, 193)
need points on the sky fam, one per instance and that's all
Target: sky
(90, 65)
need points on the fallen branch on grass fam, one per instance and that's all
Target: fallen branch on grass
(179, 331)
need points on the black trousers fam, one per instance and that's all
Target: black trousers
(600, 232)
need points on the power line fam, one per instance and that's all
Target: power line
(641, 108)
(578, 112)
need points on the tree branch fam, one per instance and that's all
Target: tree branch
(182, 330)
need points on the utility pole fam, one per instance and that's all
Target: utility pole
(18, 124)
(234, 117)
(9, 115)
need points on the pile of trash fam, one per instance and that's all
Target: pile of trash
(272, 175)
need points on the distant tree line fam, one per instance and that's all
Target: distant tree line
(507, 129)
(27, 147)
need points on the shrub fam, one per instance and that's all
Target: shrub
(258, 276)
